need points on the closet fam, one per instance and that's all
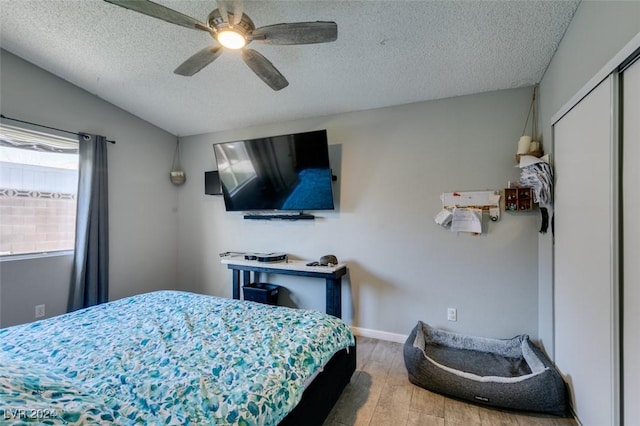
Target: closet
(631, 242)
(597, 244)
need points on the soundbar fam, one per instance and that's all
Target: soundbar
(266, 257)
(299, 216)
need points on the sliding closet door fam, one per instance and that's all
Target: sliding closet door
(631, 238)
(585, 264)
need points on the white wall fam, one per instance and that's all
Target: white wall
(599, 29)
(142, 201)
(392, 165)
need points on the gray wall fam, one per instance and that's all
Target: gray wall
(392, 166)
(599, 29)
(36, 281)
(142, 201)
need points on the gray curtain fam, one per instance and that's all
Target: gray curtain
(90, 274)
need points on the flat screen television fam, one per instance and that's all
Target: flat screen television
(285, 172)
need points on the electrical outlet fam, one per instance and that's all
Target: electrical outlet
(39, 311)
(452, 314)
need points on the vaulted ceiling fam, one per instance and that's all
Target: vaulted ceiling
(387, 53)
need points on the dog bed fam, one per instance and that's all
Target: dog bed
(510, 373)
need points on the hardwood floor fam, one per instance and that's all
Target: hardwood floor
(380, 394)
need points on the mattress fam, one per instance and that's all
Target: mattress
(166, 357)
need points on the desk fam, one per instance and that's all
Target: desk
(331, 274)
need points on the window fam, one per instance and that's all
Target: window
(38, 185)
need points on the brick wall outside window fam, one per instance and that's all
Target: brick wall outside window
(35, 222)
(37, 209)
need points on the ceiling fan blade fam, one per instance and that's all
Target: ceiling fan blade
(264, 69)
(161, 12)
(297, 33)
(198, 61)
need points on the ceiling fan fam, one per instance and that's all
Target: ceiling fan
(233, 29)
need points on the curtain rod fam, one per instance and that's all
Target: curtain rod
(46, 127)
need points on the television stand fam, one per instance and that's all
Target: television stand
(331, 274)
(299, 216)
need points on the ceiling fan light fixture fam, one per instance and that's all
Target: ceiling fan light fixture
(235, 30)
(231, 39)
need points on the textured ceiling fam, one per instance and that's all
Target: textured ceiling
(387, 53)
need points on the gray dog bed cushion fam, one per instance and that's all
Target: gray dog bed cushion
(507, 373)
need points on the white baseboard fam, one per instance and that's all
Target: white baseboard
(380, 335)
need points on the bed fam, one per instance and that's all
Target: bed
(180, 358)
(505, 373)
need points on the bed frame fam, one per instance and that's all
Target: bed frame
(323, 392)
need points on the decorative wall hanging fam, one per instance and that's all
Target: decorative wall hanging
(177, 175)
(463, 211)
(527, 145)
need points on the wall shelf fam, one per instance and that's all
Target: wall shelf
(518, 199)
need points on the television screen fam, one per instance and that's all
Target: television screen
(286, 172)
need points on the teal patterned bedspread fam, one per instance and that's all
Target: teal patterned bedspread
(165, 357)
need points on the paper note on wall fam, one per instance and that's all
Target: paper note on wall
(443, 218)
(467, 220)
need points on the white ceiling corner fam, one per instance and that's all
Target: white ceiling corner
(387, 53)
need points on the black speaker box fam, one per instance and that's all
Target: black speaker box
(212, 183)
